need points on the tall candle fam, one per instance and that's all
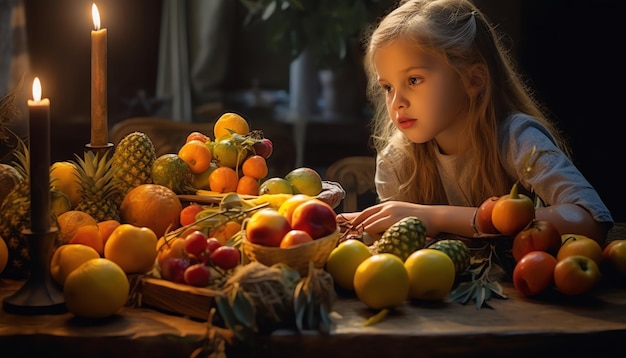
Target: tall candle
(99, 127)
(39, 139)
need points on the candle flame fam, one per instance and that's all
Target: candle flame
(96, 16)
(36, 90)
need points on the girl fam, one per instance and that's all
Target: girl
(453, 125)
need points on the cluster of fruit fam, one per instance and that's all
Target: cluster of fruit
(234, 161)
(398, 266)
(196, 259)
(544, 258)
(299, 219)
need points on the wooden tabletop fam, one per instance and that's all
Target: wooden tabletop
(516, 326)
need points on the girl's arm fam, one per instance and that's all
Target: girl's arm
(458, 220)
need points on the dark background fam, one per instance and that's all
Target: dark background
(567, 50)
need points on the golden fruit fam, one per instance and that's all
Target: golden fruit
(153, 206)
(98, 288)
(573, 244)
(66, 258)
(305, 181)
(382, 281)
(70, 221)
(65, 179)
(133, 248)
(344, 260)
(4, 255)
(230, 121)
(431, 274)
(275, 185)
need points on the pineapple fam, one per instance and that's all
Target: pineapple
(402, 238)
(15, 218)
(457, 250)
(132, 160)
(98, 187)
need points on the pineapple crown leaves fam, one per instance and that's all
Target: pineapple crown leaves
(95, 171)
(8, 111)
(22, 159)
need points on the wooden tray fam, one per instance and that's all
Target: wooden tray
(175, 298)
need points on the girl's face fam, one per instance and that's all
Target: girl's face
(425, 98)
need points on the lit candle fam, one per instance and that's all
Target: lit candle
(39, 141)
(99, 129)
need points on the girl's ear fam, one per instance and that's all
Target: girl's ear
(478, 77)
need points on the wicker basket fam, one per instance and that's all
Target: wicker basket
(296, 257)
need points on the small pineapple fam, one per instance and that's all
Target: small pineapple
(402, 238)
(457, 250)
(132, 160)
(97, 187)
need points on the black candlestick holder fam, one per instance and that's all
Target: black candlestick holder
(40, 294)
(99, 149)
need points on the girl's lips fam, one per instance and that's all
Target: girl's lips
(404, 122)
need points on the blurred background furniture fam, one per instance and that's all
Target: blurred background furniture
(356, 176)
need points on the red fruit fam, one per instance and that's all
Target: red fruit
(195, 243)
(173, 269)
(264, 148)
(198, 275)
(576, 275)
(483, 216)
(540, 235)
(534, 273)
(315, 217)
(267, 227)
(226, 257)
(213, 244)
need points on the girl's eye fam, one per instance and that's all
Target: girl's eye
(385, 88)
(414, 80)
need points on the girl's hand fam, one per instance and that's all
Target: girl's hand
(376, 219)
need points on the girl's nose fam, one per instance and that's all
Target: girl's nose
(399, 101)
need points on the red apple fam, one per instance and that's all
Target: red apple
(534, 273)
(226, 257)
(540, 235)
(575, 275)
(614, 256)
(267, 227)
(315, 217)
(264, 148)
(483, 216)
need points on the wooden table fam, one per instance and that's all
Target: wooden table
(593, 324)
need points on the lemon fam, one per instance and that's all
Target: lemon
(344, 260)
(381, 281)
(431, 274)
(275, 185)
(230, 121)
(98, 288)
(66, 258)
(305, 181)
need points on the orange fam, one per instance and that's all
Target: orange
(106, 228)
(197, 155)
(294, 238)
(89, 235)
(4, 255)
(65, 179)
(255, 166)
(231, 121)
(223, 180)
(248, 185)
(98, 288)
(133, 248)
(66, 258)
(197, 136)
(224, 232)
(70, 221)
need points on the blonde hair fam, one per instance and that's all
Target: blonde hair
(458, 32)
